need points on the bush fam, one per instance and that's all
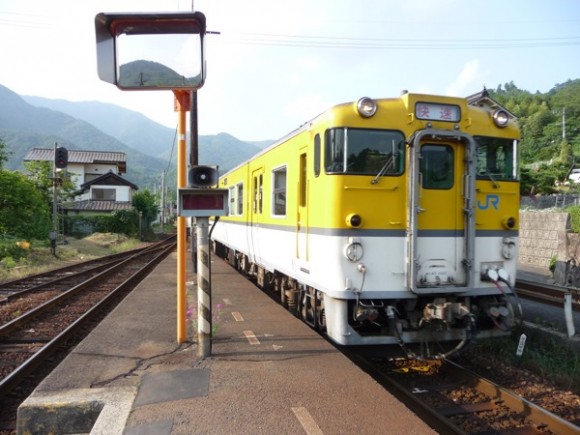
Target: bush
(10, 251)
(120, 222)
(574, 212)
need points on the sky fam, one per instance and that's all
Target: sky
(273, 65)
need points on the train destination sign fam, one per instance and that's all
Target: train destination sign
(437, 112)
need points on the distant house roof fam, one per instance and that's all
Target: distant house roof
(100, 206)
(83, 157)
(482, 99)
(108, 179)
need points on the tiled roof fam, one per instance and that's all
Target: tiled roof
(103, 206)
(108, 179)
(482, 98)
(77, 156)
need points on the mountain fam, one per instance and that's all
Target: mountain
(132, 128)
(145, 73)
(139, 132)
(28, 122)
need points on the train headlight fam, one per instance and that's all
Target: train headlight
(509, 223)
(354, 220)
(500, 118)
(353, 251)
(366, 107)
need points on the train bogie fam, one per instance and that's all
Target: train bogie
(398, 227)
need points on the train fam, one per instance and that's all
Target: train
(385, 222)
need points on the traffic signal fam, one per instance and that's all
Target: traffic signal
(61, 157)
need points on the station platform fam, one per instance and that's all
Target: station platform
(268, 373)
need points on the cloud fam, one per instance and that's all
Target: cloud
(469, 78)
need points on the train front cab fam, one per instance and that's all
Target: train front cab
(459, 242)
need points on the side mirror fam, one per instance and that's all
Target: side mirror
(162, 51)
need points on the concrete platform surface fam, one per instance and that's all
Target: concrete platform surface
(268, 373)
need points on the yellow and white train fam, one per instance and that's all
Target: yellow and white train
(390, 221)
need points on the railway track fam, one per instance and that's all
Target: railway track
(455, 400)
(547, 293)
(56, 308)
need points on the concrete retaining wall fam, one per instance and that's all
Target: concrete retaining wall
(543, 235)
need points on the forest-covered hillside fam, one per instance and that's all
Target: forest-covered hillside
(550, 124)
(546, 119)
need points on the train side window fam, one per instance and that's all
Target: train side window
(260, 193)
(437, 167)
(232, 195)
(317, 155)
(279, 191)
(303, 175)
(240, 199)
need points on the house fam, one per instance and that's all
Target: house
(97, 176)
(482, 99)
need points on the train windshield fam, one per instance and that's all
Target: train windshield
(364, 152)
(496, 158)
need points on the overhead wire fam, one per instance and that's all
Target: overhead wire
(332, 42)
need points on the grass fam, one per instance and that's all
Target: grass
(40, 259)
(548, 356)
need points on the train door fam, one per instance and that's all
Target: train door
(302, 212)
(441, 226)
(256, 214)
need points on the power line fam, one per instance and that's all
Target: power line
(312, 41)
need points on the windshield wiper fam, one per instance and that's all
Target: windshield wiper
(388, 165)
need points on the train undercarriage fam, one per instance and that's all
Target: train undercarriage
(433, 326)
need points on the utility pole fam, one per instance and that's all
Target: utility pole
(162, 201)
(564, 123)
(54, 233)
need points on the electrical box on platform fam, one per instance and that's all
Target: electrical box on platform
(195, 202)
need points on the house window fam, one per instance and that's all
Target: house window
(103, 194)
(279, 192)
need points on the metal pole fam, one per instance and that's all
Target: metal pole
(54, 202)
(181, 106)
(569, 314)
(193, 161)
(204, 325)
(163, 202)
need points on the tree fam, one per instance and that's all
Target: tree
(146, 204)
(3, 153)
(41, 175)
(23, 210)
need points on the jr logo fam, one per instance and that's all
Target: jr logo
(492, 200)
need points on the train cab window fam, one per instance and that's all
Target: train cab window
(496, 158)
(364, 152)
(279, 191)
(437, 167)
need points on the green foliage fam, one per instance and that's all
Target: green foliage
(544, 355)
(146, 203)
(3, 153)
(10, 251)
(41, 174)
(23, 210)
(574, 212)
(541, 119)
(120, 222)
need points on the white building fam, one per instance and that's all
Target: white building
(97, 176)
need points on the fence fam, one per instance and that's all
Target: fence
(549, 201)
